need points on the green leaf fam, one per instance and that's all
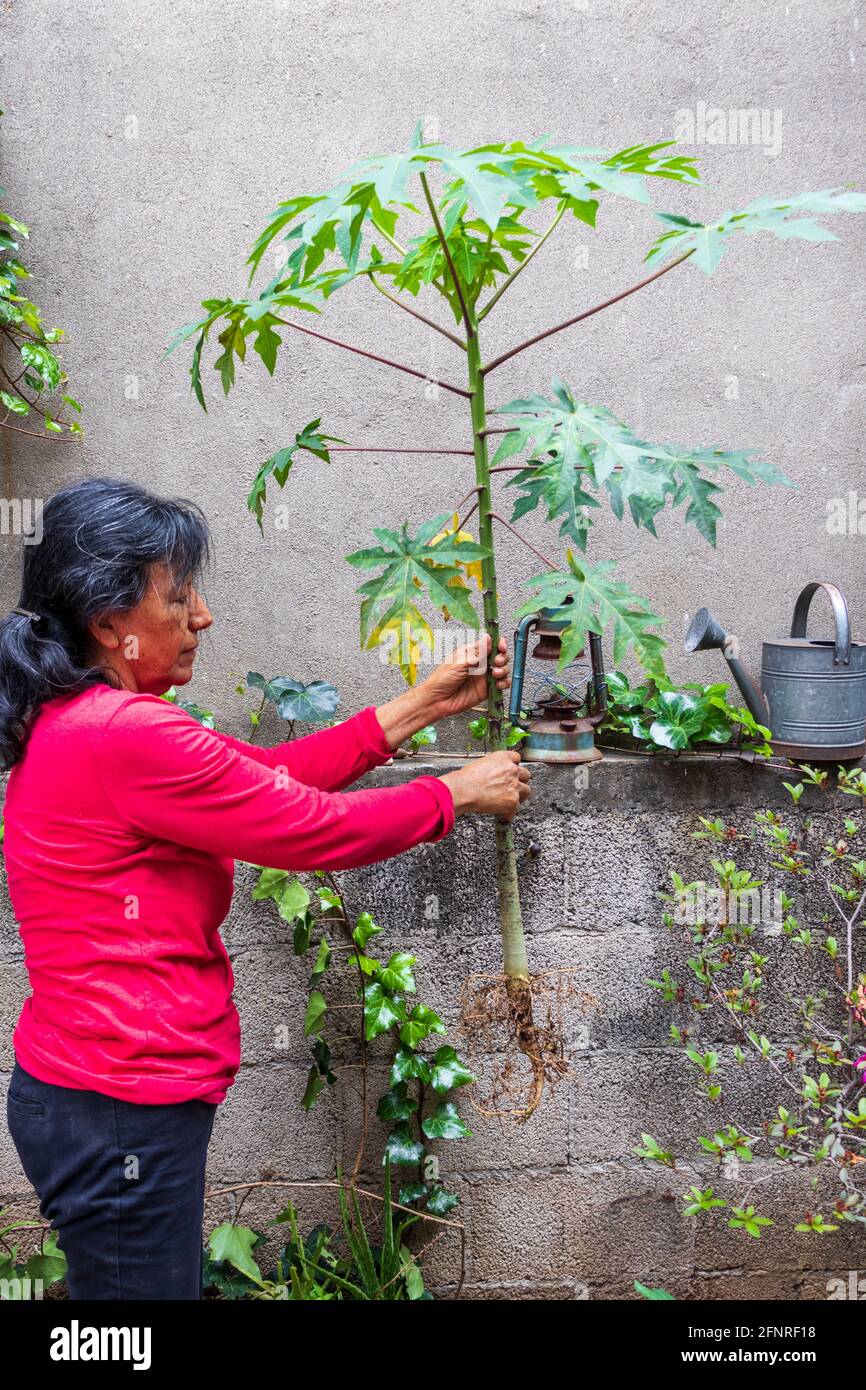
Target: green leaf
(267, 343)
(302, 933)
(279, 465)
(323, 960)
(270, 884)
(364, 929)
(408, 1065)
(441, 1202)
(317, 1007)
(293, 901)
(408, 563)
(401, 1148)
(397, 974)
(43, 362)
(448, 1071)
(654, 1295)
(49, 1264)
(413, 1193)
(595, 601)
(233, 1245)
(311, 704)
(381, 1012)
(706, 244)
(396, 1104)
(14, 403)
(314, 1087)
(419, 1025)
(445, 1123)
(574, 447)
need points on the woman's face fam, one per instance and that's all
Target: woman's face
(153, 645)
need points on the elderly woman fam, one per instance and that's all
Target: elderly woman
(123, 817)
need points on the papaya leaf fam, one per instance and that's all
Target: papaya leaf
(783, 217)
(408, 563)
(279, 465)
(597, 600)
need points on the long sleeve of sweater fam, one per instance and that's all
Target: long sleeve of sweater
(168, 777)
(329, 759)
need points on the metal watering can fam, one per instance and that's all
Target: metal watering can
(813, 689)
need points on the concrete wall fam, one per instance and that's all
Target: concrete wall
(145, 143)
(559, 1207)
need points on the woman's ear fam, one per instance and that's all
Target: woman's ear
(103, 632)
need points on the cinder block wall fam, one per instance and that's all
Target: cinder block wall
(559, 1207)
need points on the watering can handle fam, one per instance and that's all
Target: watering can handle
(842, 650)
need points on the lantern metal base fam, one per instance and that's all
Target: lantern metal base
(547, 742)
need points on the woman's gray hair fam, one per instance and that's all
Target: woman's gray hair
(100, 538)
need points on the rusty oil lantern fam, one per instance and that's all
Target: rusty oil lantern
(565, 708)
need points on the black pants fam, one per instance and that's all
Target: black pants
(122, 1185)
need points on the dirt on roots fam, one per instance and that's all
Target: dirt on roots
(514, 1035)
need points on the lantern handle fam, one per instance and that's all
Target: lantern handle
(521, 637)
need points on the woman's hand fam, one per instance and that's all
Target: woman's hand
(495, 785)
(457, 684)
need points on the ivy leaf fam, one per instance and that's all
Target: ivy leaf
(400, 1147)
(14, 403)
(381, 1012)
(445, 1123)
(397, 974)
(317, 1007)
(279, 465)
(441, 1202)
(419, 1025)
(315, 1085)
(49, 1264)
(270, 884)
(323, 960)
(364, 929)
(311, 704)
(448, 1071)
(302, 934)
(43, 362)
(293, 901)
(233, 1245)
(367, 964)
(407, 1065)
(396, 1104)
(413, 1193)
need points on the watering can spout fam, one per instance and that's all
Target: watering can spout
(705, 634)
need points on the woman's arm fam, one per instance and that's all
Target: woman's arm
(168, 778)
(329, 759)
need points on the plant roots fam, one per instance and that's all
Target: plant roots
(502, 1039)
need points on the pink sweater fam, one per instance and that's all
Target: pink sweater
(123, 820)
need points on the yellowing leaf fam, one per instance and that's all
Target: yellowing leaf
(472, 568)
(404, 639)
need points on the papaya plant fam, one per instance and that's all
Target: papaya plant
(473, 242)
